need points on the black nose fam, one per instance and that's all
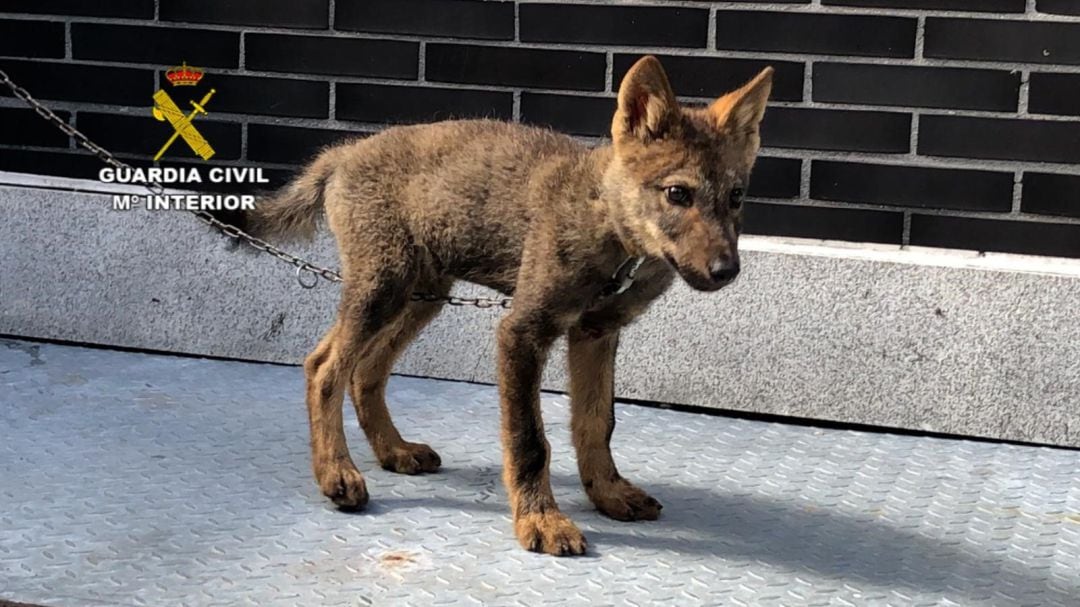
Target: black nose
(724, 272)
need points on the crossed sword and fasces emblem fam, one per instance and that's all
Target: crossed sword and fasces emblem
(166, 109)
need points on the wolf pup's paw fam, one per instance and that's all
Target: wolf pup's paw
(411, 458)
(343, 483)
(550, 532)
(623, 501)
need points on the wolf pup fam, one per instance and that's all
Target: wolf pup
(584, 239)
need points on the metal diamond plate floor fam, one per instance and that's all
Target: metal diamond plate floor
(135, 479)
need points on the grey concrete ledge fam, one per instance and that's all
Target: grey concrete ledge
(942, 341)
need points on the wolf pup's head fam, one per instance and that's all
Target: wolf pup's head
(679, 174)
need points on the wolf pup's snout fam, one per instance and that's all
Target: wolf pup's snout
(724, 270)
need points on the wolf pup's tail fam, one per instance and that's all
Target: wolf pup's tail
(291, 213)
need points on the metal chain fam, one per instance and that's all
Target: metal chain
(304, 268)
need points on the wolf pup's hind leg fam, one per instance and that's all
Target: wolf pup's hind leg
(368, 389)
(373, 296)
(335, 471)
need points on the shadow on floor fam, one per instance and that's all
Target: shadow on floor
(784, 535)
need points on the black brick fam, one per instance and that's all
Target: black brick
(911, 186)
(789, 32)
(450, 18)
(843, 130)
(1050, 194)
(61, 164)
(276, 177)
(143, 135)
(72, 82)
(709, 77)
(990, 90)
(160, 45)
(1054, 94)
(1034, 238)
(264, 96)
(568, 113)
(1059, 7)
(856, 225)
(284, 13)
(333, 56)
(134, 9)
(990, 40)
(410, 104)
(31, 38)
(1000, 139)
(24, 127)
(985, 6)
(625, 25)
(291, 145)
(516, 67)
(776, 178)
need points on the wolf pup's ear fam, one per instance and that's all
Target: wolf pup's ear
(647, 105)
(743, 109)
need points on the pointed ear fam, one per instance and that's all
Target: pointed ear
(647, 106)
(743, 109)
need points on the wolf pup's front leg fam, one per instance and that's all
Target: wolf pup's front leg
(525, 336)
(591, 360)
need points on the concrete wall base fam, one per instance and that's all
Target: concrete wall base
(936, 341)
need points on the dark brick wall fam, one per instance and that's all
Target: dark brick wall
(951, 123)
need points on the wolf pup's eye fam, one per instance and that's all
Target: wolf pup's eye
(736, 197)
(678, 195)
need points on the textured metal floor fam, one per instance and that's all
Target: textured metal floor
(131, 479)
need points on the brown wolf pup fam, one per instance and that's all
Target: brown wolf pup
(584, 239)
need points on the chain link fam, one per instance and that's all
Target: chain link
(304, 268)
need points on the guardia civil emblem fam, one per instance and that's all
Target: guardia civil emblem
(165, 109)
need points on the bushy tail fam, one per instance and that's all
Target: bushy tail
(291, 213)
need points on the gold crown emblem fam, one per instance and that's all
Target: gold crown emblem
(184, 75)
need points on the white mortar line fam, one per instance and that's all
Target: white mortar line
(920, 40)
(517, 22)
(710, 30)
(333, 102)
(421, 69)
(914, 141)
(805, 170)
(1018, 193)
(67, 41)
(816, 7)
(1030, 15)
(1024, 100)
(609, 73)
(242, 59)
(243, 141)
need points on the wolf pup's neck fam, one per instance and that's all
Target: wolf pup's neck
(605, 173)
